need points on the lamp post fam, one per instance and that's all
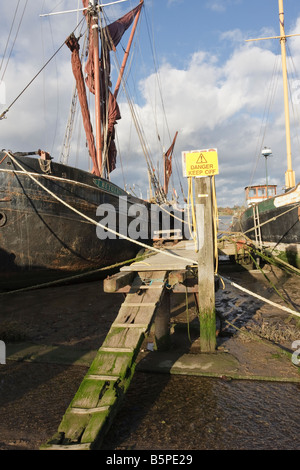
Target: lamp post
(266, 152)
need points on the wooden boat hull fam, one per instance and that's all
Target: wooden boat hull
(41, 238)
(279, 219)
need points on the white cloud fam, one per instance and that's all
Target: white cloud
(211, 104)
(222, 105)
(219, 6)
(172, 2)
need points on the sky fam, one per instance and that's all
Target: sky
(191, 71)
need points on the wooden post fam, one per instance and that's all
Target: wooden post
(162, 323)
(206, 277)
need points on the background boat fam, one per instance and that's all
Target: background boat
(273, 223)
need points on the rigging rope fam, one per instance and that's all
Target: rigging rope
(158, 79)
(268, 105)
(13, 44)
(155, 182)
(292, 100)
(3, 115)
(8, 39)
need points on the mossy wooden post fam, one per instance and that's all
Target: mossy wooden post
(162, 323)
(206, 277)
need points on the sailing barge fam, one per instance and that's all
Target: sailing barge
(44, 237)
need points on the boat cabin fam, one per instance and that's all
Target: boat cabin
(259, 193)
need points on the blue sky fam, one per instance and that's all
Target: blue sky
(185, 26)
(214, 87)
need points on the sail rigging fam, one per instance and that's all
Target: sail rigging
(73, 45)
(107, 109)
(290, 180)
(100, 135)
(168, 164)
(98, 67)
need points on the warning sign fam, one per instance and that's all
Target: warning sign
(200, 163)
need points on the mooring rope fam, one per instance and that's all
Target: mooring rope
(77, 276)
(234, 284)
(92, 221)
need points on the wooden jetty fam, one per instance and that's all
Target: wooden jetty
(147, 286)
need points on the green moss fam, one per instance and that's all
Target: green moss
(207, 320)
(111, 363)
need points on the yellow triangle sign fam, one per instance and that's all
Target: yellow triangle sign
(201, 159)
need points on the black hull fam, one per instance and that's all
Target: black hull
(40, 238)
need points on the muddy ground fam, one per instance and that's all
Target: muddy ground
(160, 411)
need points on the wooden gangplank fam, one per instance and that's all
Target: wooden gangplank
(94, 406)
(183, 255)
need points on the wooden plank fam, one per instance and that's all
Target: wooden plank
(135, 316)
(117, 349)
(161, 261)
(96, 423)
(87, 395)
(125, 338)
(86, 446)
(176, 277)
(105, 378)
(107, 363)
(154, 286)
(117, 281)
(84, 411)
(144, 313)
(89, 392)
(73, 426)
(131, 325)
(139, 304)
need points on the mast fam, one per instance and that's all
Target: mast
(126, 54)
(95, 28)
(290, 174)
